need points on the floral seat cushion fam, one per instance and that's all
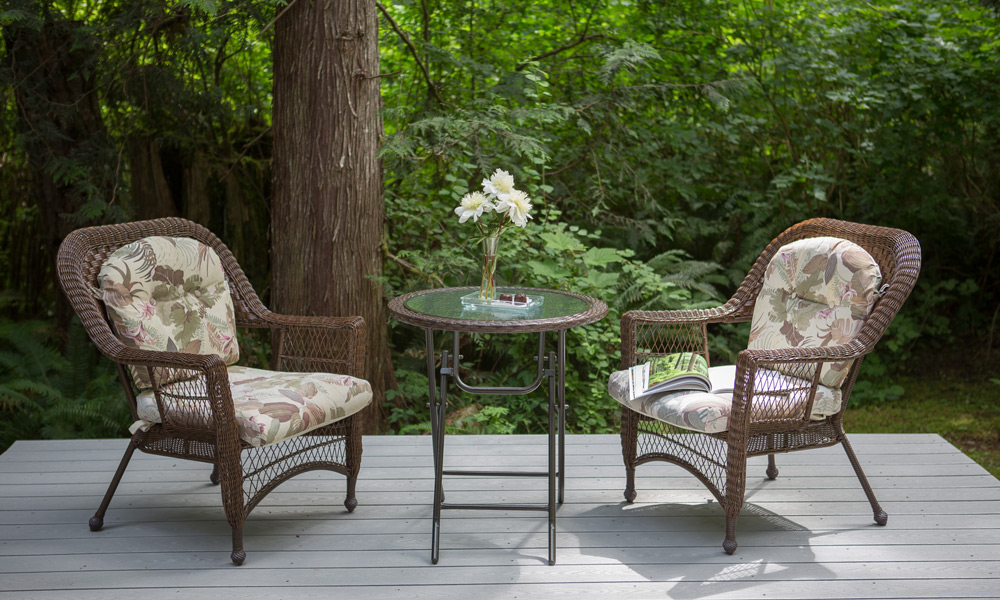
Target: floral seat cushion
(776, 396)
(169, 294)
(270, 405)
(816, 292)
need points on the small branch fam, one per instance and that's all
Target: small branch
(569, 165)
(654, 86)
(276, 17)
(579, 40)
(363, 75)
(413, 50)
(243, 152)
(412, 267)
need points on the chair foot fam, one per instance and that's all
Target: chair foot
(629, 484)
(772, 469)
(352, 499)
(214, 477)
(239, 555)
(881, 517)
(729, 545)
(96, 523)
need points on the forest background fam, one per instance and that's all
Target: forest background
(663, 144)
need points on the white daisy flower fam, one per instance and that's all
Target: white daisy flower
(517, 205)
(500, 184)
(473, 205)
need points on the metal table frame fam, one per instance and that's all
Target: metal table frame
(551, 366)
(555, 372)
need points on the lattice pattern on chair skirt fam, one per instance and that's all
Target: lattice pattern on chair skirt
(266, 467)
(702, 454)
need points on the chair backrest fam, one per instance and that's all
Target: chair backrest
(816, 292)
(84, 251)
(896, 252)
(169, 294)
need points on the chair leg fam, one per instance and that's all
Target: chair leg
(228, 457)
(881, 517)
(214, 477)
(772, 469)
(97, 521)
(736, 479)
(630, 439)
(353, 450)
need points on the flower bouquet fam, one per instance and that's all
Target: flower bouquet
(498, 206)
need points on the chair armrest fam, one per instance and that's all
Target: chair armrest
(720, 314)
(668, 331)
(778, 396)
(201, 399)
(851, 350)
(319, 344)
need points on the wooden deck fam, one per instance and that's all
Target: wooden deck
(809, 534)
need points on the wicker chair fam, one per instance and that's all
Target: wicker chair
(193, 392)
(757, 423)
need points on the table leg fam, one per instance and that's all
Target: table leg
(553, 418)
(437, 432)
(561, 395)
(432, 389)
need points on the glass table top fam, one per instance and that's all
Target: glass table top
(447, 304)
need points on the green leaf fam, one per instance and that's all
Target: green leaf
(548, 269)
(209, 6)
(561, 242)
(598, 257)
(600, 280)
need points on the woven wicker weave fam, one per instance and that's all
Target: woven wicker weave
(719, 460)
(206, 431)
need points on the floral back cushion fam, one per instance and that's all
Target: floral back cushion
(816, 292)
(169, 294)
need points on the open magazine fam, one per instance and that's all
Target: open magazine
(675, 372)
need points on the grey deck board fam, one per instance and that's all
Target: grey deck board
(808, 534)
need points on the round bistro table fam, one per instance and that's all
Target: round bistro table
(443, 310)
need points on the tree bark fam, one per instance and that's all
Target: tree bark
(150, 194)
(327, 208)
(196, 196)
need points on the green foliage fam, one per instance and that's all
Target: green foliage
(666, 144)
(47, 395)
(663, 145)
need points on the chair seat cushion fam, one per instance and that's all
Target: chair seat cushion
(271, 405)
(169, 294)
(776, 396)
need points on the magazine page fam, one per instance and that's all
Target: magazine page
(722, 378)
(634, 383)
(681, 371)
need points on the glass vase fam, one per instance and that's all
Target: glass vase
(487, 285)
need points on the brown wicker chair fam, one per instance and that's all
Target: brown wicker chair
(719, 460)
(208, 432)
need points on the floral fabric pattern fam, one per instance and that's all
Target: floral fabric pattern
(776, 396)
(273, 405)
(816, 292)
(169, 294)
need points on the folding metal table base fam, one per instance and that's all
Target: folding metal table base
(555, 372)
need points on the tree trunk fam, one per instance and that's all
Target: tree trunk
(196, 195)
(150, 194)
(327, 208)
